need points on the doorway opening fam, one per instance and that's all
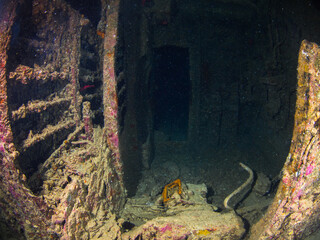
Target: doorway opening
(171, 92)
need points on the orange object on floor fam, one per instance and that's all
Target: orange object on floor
(100, 34)
(175, 183)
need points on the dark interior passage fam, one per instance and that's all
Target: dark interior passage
(215, 82)
(171, 92)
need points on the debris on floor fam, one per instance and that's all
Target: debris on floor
(182, 216)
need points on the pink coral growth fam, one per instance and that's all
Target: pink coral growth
(286, 180)
(309, 169)
(88, 127)
(114, 140)
(2, 149)
(166, 228)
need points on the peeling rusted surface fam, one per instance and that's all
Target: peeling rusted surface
(17, 202)
(294, 212)
(47, 146)
(110, 98)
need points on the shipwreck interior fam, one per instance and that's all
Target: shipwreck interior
(201, 85)
(212, 84)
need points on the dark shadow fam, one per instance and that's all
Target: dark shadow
(90, 9)
(171, 91)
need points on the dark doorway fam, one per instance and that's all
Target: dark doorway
(171, 92)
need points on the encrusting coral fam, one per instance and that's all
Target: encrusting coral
(75, 175)
(294, 213)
